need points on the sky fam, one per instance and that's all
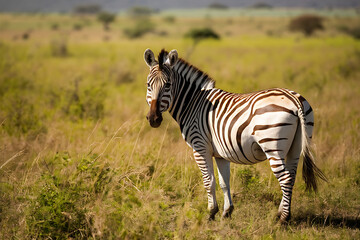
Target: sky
(118, 5)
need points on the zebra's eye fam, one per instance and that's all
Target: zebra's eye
(167, 85)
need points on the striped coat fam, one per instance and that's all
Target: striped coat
(274, 125)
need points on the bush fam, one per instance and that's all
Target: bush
(58, 47)
(18, 111)
(248, 177)
(25, 35)
(169, 19)
(140, 29)
(61, 207)
(85, 103)
(54, 26)
(353, 32)
(307, 24)
(20, 115)
(77, 26)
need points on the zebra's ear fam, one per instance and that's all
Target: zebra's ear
(149, 58)
(172, 58)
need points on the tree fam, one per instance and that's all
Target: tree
(106, 18)
(139, 11)
(261, 5)
(199, 34)
(87, 9)
(219, 6)
(307, 24)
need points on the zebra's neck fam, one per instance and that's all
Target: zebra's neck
(190, 88)
(192, 75)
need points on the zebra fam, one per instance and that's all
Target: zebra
(273, 124)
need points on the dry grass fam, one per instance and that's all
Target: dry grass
(80, 161)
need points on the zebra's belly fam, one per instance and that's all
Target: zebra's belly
(254, 154)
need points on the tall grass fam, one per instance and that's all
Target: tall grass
(78, 159)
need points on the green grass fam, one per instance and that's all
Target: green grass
(78, 159)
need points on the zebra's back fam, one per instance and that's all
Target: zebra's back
(244, 127)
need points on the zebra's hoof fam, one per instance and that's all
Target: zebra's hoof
(284, 220)
(213, 212)
(228, 212)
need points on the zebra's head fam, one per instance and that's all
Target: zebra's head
(159, 84)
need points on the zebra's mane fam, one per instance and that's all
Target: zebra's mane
(162, 55)
(193, 74)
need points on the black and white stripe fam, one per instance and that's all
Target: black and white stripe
(274, 125)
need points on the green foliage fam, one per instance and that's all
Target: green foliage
(87, 9)
(18, 109)
(77, 26)
(61, 207)
(169, 19)
(140, 11)
(54, 26)
(90, 167)
(140, 29)
(307, 24)
(261, 5)
(248, 177)
(58, 47)
(353, 32)
(218, 6)
(106, 18)
(199, 34)
(85, 102)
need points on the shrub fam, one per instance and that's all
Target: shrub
(248, 177)
(20, 115)
(85, 103)
(169, 19)
(61, 206)
(18, 111)
(353, 32)
(77, 26)
(58, 47)
(140, 29)
(307, 24)
(54, 26)
(25, 35)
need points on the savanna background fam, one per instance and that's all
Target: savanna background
(78, 159)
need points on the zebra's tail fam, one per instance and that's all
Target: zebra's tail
(310, 171)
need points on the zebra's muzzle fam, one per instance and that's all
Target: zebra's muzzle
(154, 116)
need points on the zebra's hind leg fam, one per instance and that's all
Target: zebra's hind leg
(205, 163)
(286, 181)
(292, 160)
(224, 180)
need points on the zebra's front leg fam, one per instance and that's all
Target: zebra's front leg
(205, 163)
(224, 180)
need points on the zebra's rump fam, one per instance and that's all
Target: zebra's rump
(246, 127)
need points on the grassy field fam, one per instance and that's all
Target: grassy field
(78, 160)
